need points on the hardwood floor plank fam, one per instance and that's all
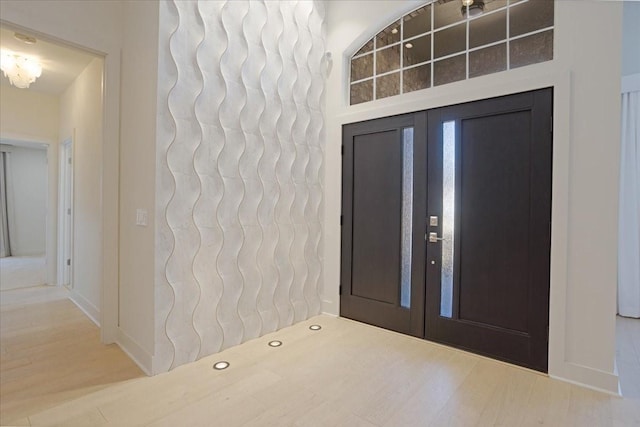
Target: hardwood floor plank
(504, 407)
(21, 422)
(231, 412)
(35, 294)
(13, 364)
(283, 404)
(548, 403)
(327, 414)
(178, 398)
(449, 372)
(92, 418)
(589, 408)
(466, 405)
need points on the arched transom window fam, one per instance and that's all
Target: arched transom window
(450, 40)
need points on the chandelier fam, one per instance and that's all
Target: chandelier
(20, 70)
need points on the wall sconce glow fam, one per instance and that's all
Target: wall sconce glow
(20, 70)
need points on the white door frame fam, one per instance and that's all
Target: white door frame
(22, 16)
(65, 214)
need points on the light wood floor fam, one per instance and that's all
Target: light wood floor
(347, 374)
(50, 353)
(22, 272)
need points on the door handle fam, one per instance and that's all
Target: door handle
(433, 238)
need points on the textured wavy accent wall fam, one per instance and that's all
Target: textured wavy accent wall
(240, 164)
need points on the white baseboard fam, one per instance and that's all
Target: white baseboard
(606, 382)
(329, 314)
(134, 351)
(87, 307)
(331, 307)
(124, 341)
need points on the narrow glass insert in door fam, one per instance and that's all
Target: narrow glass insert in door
(448, 212)
(407, 217)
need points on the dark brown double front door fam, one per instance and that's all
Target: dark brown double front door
(446, 225)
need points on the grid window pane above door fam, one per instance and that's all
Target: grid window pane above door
(443, 42)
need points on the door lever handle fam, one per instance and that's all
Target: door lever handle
(433, 238)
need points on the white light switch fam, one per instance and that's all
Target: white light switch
(141, 217)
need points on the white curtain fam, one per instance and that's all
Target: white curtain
(629, 228)
(5, 244)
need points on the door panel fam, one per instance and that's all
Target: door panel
(494, 220)
(377, 210)
(382, 273)
(501, 227)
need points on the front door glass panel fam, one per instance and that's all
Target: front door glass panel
(407, 216)
(448, 213)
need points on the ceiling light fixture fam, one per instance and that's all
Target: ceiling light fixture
(275, 343)
(20, 70)
(315, 327)
(394, 31)
(471, 8)
(25, 38)
(408, 45)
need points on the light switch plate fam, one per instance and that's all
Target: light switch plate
(141, 217)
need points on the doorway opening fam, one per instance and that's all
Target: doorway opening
(24, 203)
(447, 225)
(63, 106)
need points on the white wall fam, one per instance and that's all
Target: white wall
(28, 208)
(32, 116)
(585, 75)
(97, 26)
(28, 115)
(137, 178)
(81, 120)
(631, 38)
(239, 158)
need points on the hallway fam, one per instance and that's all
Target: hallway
(51, 353)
